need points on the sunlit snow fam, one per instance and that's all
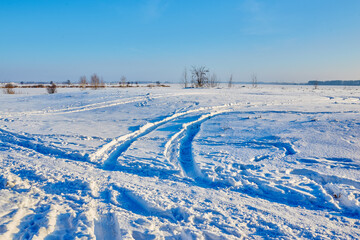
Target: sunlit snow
(171, 163)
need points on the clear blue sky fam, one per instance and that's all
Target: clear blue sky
(150, 40)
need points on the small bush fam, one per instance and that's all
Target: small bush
(95, 81)
(9, 88)
(83, 82)
(213, 81)
(51, 89)
(254, 80)
(122, 82)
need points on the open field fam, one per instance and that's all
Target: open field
(169, 163)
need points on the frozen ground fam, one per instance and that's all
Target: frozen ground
(170, 163)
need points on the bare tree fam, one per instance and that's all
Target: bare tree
(123, 81)
(230, 83)
(254, 80)
(95, 81)
(199, 76)
(213, 81)
(184, 79)
(83, 81)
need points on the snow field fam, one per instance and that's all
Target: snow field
(271, 162)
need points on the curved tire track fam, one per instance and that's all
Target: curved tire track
(110, 152)
(38, 146)
(94, 106)
(182, 140)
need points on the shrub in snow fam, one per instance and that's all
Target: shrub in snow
(9, 88)
(51, 89)
(230, 83)
(213, 81)
(83, 81)
(123, 81)
(254, 80)
(96, 82)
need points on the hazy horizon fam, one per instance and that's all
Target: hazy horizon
(153, 40)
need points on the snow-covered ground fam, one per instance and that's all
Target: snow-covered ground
(171, 163)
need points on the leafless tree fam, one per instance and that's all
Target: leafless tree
(254, 80)
(199, 76)
(123, 81)
(95, 81)
(184, 79)
(83, 81)
(230, 83)
(213, 82)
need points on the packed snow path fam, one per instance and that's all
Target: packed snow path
(169, 163)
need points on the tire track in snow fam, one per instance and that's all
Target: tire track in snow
(107, 227)
(74, 224)
(69, 209)
(87, 107)
(135, 204)
(38, 146)
(106, 155)
(179, 150)
(339, 196)
(182, 140)
(267, 142)
(132, 202)
(110, 152)
(100, 105)
(39, 224)
(28, 217)
(15, 217)
(48, 209)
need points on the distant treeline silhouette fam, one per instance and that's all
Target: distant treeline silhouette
(336, 82)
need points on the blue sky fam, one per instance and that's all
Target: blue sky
(151, 40)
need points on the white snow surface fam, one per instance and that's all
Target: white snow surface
(272, 162)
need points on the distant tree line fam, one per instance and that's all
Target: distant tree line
(335, 82)
(95, 82)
